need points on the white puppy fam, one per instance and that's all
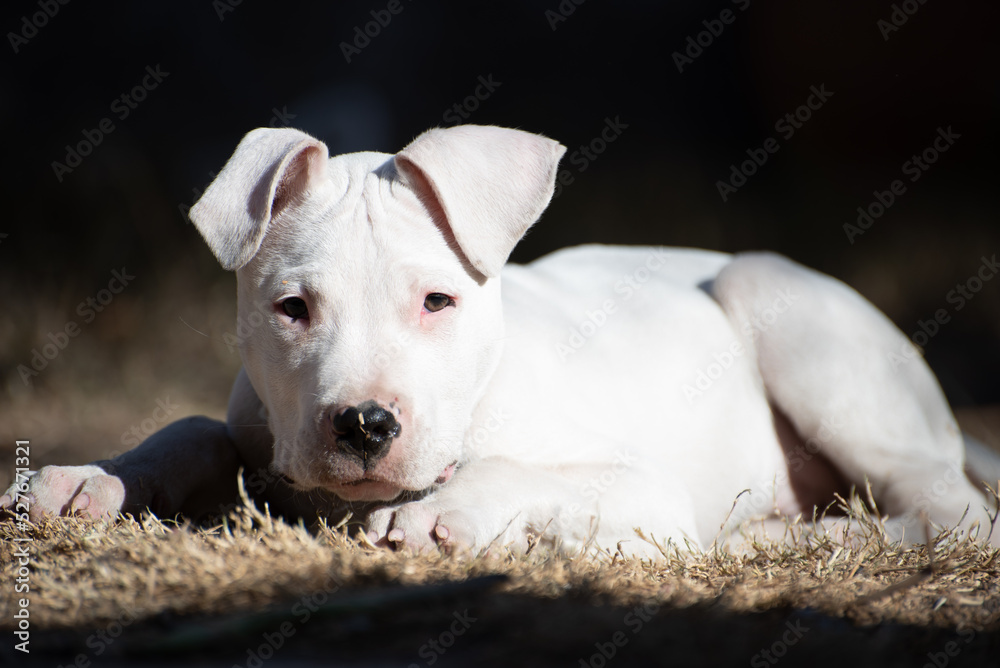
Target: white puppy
(603, 389)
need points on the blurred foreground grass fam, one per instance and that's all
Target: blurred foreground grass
(253, 586)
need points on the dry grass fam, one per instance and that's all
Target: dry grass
(197, 591)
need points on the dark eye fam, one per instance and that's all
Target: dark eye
(436, 301)
(295, 308)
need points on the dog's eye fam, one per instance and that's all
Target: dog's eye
(436, 301)
(295, 308)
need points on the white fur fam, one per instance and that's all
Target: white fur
(603, 389)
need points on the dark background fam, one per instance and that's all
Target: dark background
(234, 68)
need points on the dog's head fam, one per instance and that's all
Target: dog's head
(369, 296)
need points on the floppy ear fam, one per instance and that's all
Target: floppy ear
(269, 168)
(490, 183)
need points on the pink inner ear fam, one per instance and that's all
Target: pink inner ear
(492, 184)
(424, 189)
(301, 175)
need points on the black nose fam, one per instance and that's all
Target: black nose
(365, 430)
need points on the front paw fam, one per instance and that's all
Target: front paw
(64, 490)
(422, 526)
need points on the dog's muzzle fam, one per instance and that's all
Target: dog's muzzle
(365, 430)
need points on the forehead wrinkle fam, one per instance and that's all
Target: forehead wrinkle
(362, 250)
(356, 263)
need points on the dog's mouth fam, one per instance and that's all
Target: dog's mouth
(366, 490)
(371, 478)
(372, 487)
(367, 480)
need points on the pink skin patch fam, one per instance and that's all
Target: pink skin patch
(446, 475)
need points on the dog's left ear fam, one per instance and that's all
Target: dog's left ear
(490, 183)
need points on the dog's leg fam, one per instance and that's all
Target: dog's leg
(189, 466)
(848, 381)
(498, 503)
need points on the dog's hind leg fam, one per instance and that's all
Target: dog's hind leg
(853, 386)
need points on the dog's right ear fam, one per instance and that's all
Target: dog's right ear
(269, 169)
